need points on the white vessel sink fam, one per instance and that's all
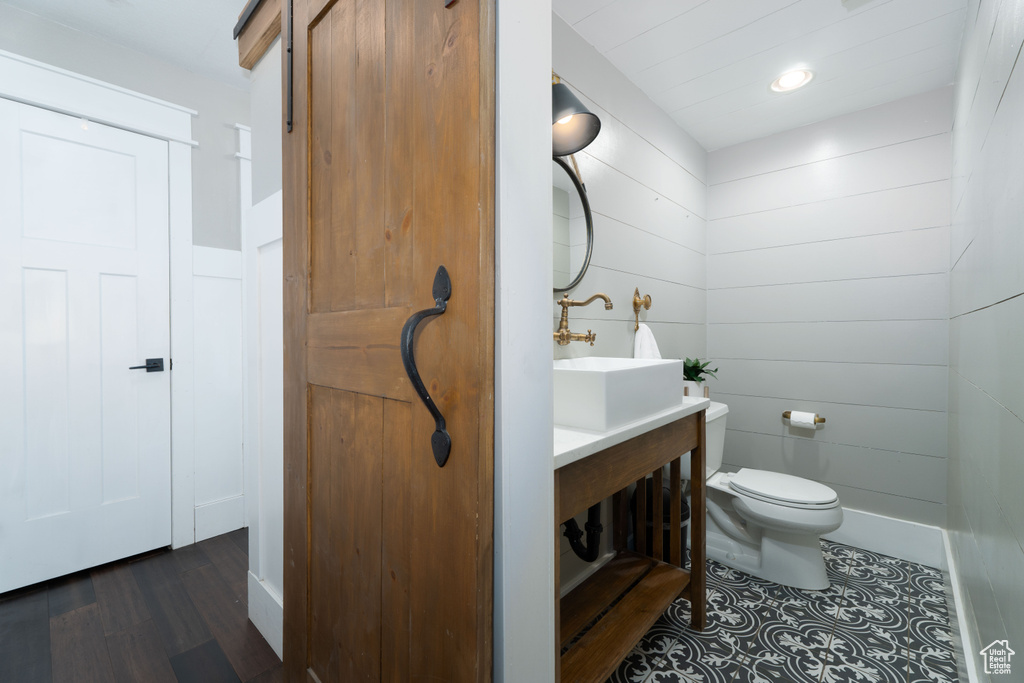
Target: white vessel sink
(601, 394)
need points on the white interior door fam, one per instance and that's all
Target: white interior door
(84, 294)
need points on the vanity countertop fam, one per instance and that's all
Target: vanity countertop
(575, 444)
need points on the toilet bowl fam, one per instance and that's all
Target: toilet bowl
(765, 523)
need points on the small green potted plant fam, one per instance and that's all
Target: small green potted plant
(694, 373)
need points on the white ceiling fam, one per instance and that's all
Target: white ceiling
(193, 34)
(709, 63)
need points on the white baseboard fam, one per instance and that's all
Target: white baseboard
(586, 573)
(968, 663)
(220, 517)
(921, 543)
(908, 541)
(266, 612)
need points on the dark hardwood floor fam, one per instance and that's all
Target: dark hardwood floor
(169, 615)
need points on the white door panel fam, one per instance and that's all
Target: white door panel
(85, 449)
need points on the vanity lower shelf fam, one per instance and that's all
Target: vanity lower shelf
(625, 597)
(599, 622)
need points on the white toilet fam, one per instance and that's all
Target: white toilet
(765, 523)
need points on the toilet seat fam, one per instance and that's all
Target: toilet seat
(782, 489)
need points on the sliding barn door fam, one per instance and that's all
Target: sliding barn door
(389, 175)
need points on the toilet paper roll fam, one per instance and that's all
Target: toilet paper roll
(802, 420)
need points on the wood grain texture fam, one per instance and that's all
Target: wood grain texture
(71, 592)
(295, 249)
(25, 636)
(179, 623)
(240, 537)
(586, 481)
(231, 564)
(588, 600)
(388, 174)
(639, 517)
(187, 558)
(357, 498)
(321, 621)
(396, 552)
(121, 603)
(359, 351)
(275, 675)
(698, 530)
(228, 620)
(77, 646)
(125, 639)
(204, 663)
(602, 474)
(263, 27)
(137, 654)
(620, 519)
(658, 508)
(675, 512)
(597, 654)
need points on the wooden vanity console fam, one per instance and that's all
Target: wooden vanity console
(628, 594)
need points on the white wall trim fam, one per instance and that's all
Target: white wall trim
(42, 85)
(266, 612)
(964, 616)
(250, 431)
(262, 227)
(910, 541)
(244, 152)
(219, 517)
(524, 544)
(183, 461)
(921, 543)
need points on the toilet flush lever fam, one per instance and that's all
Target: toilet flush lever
(440, 441)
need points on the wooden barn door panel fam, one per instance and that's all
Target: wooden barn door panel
(388, 175)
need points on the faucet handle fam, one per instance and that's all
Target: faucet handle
(592, 337)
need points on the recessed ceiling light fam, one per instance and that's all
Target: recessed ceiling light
(791, 80)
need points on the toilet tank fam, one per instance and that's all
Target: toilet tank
(714, 432)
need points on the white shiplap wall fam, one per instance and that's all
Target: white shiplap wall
(986, 374)
(827, 292)
(645, 180)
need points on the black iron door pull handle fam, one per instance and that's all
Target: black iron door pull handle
(152, 365)
(440, 441)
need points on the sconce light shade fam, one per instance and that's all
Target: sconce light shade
(573, 127)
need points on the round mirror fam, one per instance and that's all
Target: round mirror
(573, 227)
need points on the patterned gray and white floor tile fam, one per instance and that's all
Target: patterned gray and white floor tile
(882, 620)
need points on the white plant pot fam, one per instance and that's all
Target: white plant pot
(695, 389)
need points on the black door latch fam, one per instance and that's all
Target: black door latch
(152, 365)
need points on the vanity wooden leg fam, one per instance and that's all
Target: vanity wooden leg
(658, 515)
(620, 519)
(698, 559)
(675, 511)
(640, 518)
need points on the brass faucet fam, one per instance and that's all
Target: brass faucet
(564, 336)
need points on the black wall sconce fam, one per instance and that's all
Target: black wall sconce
(573, 126)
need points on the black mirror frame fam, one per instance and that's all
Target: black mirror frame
(582, 192)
